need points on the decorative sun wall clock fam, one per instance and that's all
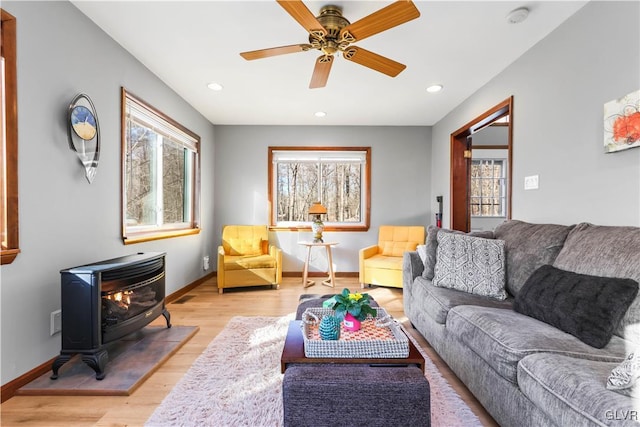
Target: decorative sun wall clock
(622, 123)
(84, 133)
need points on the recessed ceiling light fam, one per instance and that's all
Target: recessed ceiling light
(434, 88)
(320, 114)
(215, 86)
(518, 15)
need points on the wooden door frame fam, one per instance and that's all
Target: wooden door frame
(460, 166)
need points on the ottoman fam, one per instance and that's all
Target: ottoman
(317, 395)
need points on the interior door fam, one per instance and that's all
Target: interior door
(461, 163)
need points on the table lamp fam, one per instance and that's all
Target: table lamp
(317, 226)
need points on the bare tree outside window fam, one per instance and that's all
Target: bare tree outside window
(161, 163)
(488, 187)
(336, 177)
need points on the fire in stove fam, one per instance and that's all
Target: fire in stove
(120, 306)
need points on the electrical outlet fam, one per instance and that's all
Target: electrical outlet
(205, 262)
(56, 322)
(531, 182)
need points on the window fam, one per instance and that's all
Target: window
(488, 187)
(337, 177)
(9, 131)
(161, 174)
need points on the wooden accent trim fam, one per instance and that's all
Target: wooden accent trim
(346, 227)
(320, 274)
(157, 235)
(194, 228)
(9, 390)
(489, 147)
(459, 183)
(459, 168)
(184, 290)
(326, 228)
(10, 174)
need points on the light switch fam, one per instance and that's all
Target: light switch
(531, 182)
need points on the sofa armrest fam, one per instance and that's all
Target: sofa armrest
(220, 270)
(276, 252)
(412, 267)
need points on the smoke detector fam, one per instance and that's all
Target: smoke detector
(518, 15)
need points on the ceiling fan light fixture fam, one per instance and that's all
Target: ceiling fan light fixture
(215, 86)
(435, 88)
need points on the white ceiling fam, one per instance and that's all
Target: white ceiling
(461, 45)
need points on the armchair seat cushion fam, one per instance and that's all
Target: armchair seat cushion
(249, 262)
(383, 261)
(381, 264)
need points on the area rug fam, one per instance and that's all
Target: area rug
(131, 361)
(236, 381)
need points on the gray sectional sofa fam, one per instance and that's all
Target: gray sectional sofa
(525, 371)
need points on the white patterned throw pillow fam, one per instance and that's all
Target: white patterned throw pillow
(470, 264)
(623, 378)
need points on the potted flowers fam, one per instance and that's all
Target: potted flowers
(352, 308)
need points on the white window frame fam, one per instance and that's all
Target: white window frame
(326, 155)
(502, 196)
(167, 131)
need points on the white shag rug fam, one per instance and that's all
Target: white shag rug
(236, 381)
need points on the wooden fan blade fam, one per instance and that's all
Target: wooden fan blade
(303, 15)
(321, 71)
(265, 53)
(373, 60)
(388, 17)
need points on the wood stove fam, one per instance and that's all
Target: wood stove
(107, 300)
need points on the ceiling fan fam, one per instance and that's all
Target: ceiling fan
(330, 33)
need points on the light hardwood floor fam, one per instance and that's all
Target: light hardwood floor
(202, 307)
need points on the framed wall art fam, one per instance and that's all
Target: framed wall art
(622, 123)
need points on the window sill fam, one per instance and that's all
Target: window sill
(8, 255)
(326, 228)
(155, 235)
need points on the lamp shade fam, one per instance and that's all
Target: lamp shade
(317, 209)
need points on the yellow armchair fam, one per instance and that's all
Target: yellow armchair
(246, 258)
(381, 264)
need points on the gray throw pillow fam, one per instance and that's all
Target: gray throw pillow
(624, 377)
(470, 264)
(587, 307)
(431, 247)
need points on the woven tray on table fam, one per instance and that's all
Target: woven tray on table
(371, 341)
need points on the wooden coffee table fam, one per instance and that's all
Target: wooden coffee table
(293, 352)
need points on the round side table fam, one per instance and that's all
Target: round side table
(330, 281)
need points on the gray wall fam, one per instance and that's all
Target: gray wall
(559, 88)
(64, 220)
(399, 189)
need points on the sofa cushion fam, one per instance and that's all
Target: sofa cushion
(527, 247)
(503, 337)
(249, 262)
(572, 391)
(588, 307)
(437, 302)
(470, 264)
(606, 251)
(431, 247)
